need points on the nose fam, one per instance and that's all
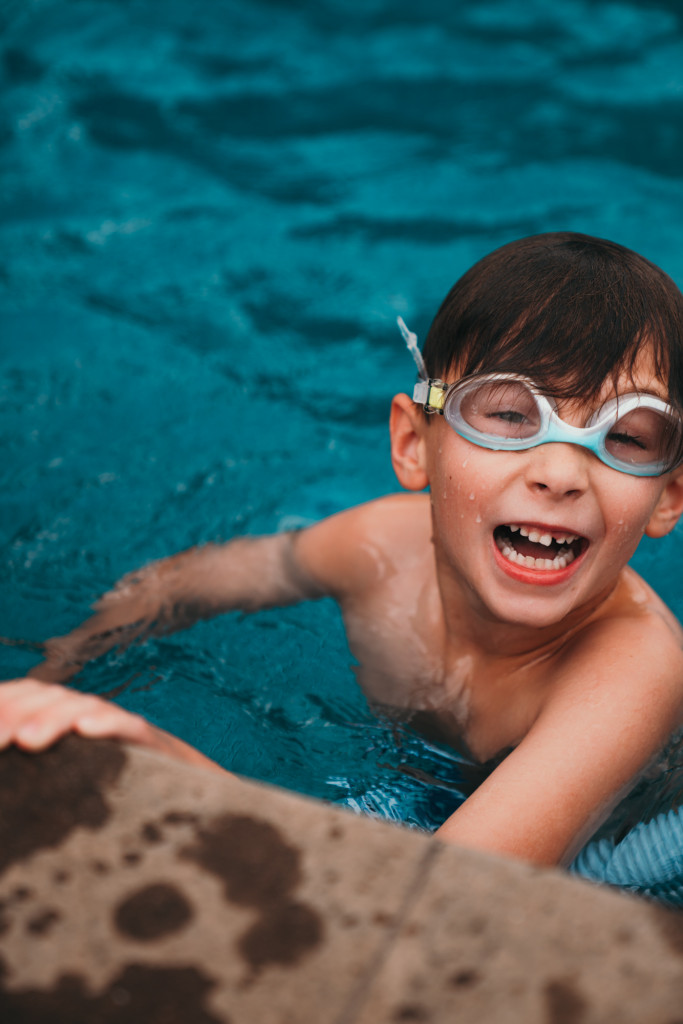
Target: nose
(558, 468)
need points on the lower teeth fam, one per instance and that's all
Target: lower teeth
(562, 559)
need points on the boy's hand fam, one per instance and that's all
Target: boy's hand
(129, 612)
(34, 715)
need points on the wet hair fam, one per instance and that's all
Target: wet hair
(567, 310)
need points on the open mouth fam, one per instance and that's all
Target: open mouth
(534, 547)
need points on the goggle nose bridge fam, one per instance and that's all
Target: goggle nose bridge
(552, 428)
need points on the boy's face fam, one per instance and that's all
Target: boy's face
(495, 513)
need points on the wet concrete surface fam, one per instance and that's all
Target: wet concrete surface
(133, 888)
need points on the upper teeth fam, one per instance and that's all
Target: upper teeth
(543, 538)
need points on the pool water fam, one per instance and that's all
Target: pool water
(211, 215)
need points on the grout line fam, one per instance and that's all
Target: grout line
(355, 1001)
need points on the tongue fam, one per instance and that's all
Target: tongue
(528, 547)
(524, 546)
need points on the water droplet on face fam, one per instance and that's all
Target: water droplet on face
(478, 519)
(472, 496)
(465, 463)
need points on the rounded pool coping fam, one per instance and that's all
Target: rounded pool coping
(135, 888)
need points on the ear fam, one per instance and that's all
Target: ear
(408, 449)
(669, 507)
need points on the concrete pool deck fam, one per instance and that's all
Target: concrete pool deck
(134, 889)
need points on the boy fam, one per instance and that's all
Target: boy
(497, 609)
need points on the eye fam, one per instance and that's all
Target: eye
(501, 408)
(621, 437)
(507, 416)
(642, 436)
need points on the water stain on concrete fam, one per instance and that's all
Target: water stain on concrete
(43, 922)
(411, 1011)
(43, 799)
(20, 894)
(250, 857)
(141, 994)
(465, 978)
(153, 912)
(477, 925)
(151, 833)
(564, 1003)
(670, 925)
(282, 936)
(180, 818)
(259, 869)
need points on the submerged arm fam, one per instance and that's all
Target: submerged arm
(246, 574)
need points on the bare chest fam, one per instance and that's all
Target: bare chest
(449, 695)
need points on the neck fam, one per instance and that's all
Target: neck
(467, 619)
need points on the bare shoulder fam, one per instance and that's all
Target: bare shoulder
(643, 599)
(627, 662)
(613, 697)
(358, 546)
(634, 625)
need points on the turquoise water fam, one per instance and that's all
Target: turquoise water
(210, 216)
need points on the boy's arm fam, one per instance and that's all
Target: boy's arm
(245, 574)
(173, 593)
(248, 573)
(612, 707)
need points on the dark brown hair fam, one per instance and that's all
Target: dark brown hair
(565, 309)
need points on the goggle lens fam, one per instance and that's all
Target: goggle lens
(507, 412)
(501, 408)
(643, 437)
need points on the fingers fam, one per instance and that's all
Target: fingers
(110, 721)
(33, 715)
(21, 702)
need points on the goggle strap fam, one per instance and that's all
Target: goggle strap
(411, 341)
(431, 394)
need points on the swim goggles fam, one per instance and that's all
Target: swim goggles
(634, 433)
